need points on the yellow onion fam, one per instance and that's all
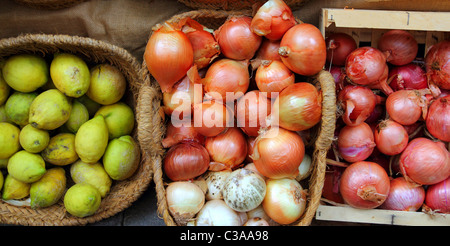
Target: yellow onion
(229, 147)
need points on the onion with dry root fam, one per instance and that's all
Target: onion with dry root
(184, 200)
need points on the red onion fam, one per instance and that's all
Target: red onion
(338, 74)
(404, 196)
(367, 66)
(409, 77)
(356, 143)
(438, 65)
(186, 161)
(364, 185)
(391, 138)
(438, 119)
(330, 189)
(400, 46)
(339, 46)
(425, 162)
(438, 196)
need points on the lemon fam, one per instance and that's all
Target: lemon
(70, 74)
(93, 174)
(91, 140)
(122, 157)
(3, 115)
(60, 150)
(119, 118)
(33, 140)
(15, 189)
(26, 167)
(107, 84)
(82, 200)
(9, 140)
(90, 105)
(49, 189)
(78, 116)
(1, 180)
(18, 107)
(50, 110)
(25, 72)
(4, 90)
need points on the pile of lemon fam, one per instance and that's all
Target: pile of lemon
(65, 132)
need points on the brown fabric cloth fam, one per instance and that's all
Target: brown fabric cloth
(125, 23)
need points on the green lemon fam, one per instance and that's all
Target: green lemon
(26, 167)
(107, 84)
(119, 118)
(49, 189)
(78, 116)
(18, 107)
(93, 174)
(122, 157)
(70, 74)
(15, 189)
(60, 150)
(9, 140)
(25, 72)
(33, 140)
(3, 115)
(82, 200)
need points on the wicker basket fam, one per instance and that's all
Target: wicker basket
(122, 193)
(324, 134)
(49, 4)
(235, 4)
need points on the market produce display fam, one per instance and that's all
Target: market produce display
(392, 146)
(240, 113)
(65, 134)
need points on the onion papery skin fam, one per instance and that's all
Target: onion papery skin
(273, 19)
(425, 162)
(205, 47)
(339, 77)
(186, 161)
(251, 112)
(438, 196)
(390, 137)
(407, 77)
(226, 80)
(273, 76)
(285, 200)
(298, 107)
(178, 133)
(339, 46)
(184, 200)
(358, 103)
(438, 119)
(267, 51)
(211, 118)
(367, 66)
(364, 185)
(236, 40)
(168, 48)
(229, 147)
(356, 143)
(278, 153)
(437, 63)
(404, 196)
(405, 106)
(303, 49)
(400, 46)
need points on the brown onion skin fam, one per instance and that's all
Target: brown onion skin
(404, 196)
(253, 105)
(278, 155)
(438, 196)
(404, 106)
(438, 119)
(267, 51)
(178, 134)
(400, 46)
(273, 76)
(211, 118)
(425, 162)
(229, 147)
(186, 161)
(358, 103)
(303, 49)
(437, 65)
(391, 138)
(339, 46)
(356, 143)
(205, 47)
(236, 40)
(364, 185)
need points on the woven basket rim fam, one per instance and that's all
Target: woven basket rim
(123, 193)
(322, 144)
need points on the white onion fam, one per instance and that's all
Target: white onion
(217, 213)
(256, 221)
(305, 168)
(244, 190)
(184, 200)
(215, 181)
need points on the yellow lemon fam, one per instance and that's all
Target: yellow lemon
(70, 74)
(93, 174)
(107, 84)
(91, 140)
(122, 157)
(78, 116)
(82, 200)
(50, 110)
(49, 189)
(15, 189)
(18, 107)
(33, 140)
(119, 118)
(26, 167)
(9, 140)
(25, 72)
(60, 150)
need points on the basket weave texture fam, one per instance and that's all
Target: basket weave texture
(49, 4)
(324, 134)
(122, 193)
(235, 4)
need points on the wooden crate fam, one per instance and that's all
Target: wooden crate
(366, 27)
